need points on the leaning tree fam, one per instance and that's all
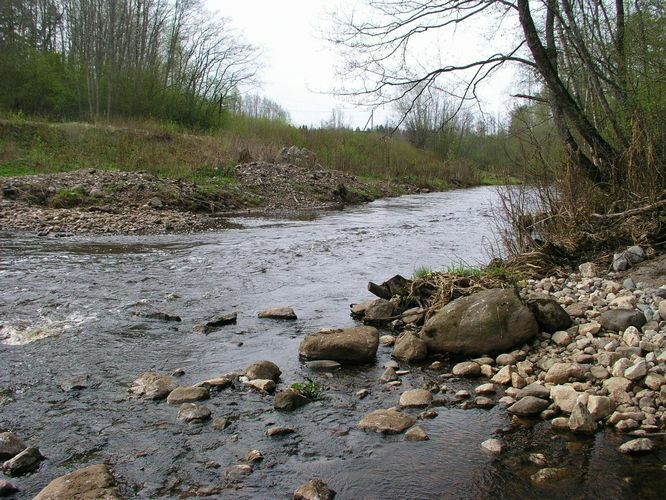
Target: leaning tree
(601, 65)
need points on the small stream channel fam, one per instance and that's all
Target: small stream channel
(80, 295)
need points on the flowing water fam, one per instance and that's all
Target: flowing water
(68, 312)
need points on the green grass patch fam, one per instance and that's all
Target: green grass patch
(310, 389)
(422, 272)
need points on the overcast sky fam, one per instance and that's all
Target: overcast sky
(299, 66)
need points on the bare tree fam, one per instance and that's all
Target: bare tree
(579, 50)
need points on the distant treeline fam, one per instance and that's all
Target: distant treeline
(91, 59)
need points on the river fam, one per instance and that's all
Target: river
(76, 297)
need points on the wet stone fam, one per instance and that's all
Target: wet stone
(533, 389)
(254, 456)
(153, 385)
(263, 370)
(468, 369)
(315, 489)
(529, 405)
(416, 433)
(387, 421)
(182, 395)
(7, 488)
(389, 375)
(237, 472)
(263, 385)
(279, 431)
(289, 400)
(415, 398)
(193, 413)
(285, 313)
(95, 481)
(10, 445)
(549, 475)
(637, 446)
(75, 383)
(323, 365)
(494, 446)
(26, 461)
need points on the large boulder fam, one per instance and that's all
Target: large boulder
(89, 483)
(489, 321)
(346, 345)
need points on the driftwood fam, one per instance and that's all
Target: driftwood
(632, 211)
(395, 286)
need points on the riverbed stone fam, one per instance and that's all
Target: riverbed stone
(153, 385)
(468, 369)
(415, 398)
(549, 314)
(617, 384)
(564, 396)
(637, 446)
(387, 340)
(26, 461)
(263, 369)
(215, 323)
(505, 359)
(193, 413)
(263, 385)
(7, 489)
(416, 433)
(534, 389)
(618, 320)
(387, 421)
(389, 375)
(561, 338)
(10, 445)
(655, 381)
(559, 373)
(346, 345)
(323, 365)
(217, 383)
(379, 312)
(549, 475)
(599, 406)
(289, 400)
(503, 376)
(410, 347)
(485, 389)
(315, 489)
(636, 371)
(494, 446)
(489, 321)
(581, 420)
(528, 406)
(284, 313)
(182, 395)
(95, 481)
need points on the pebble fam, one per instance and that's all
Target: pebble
(279, 431)
(315, 489)
(637, 446)
(494, 446)
(416, 433)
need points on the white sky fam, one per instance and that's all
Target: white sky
(299, 66)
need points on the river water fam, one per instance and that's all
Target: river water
(68, 312)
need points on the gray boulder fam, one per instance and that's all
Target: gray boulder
(347, 345)
(618, 320)
(550, 315)
(489, 321)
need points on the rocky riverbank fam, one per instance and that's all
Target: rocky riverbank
(111, 202)
(595, 361)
